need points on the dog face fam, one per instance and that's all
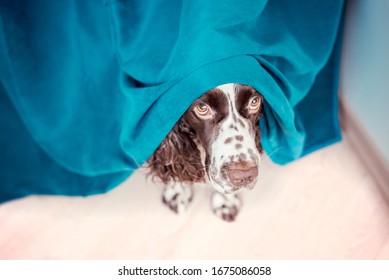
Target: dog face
(224, 125)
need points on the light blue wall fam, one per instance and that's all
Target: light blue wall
(365, 68)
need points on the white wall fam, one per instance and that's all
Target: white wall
(365, 68)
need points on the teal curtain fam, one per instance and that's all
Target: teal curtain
(90, 88)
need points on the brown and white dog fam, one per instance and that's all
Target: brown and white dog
(217, 139)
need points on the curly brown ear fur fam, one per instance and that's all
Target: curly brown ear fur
(177, 157)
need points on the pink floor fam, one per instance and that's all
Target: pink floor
(325, 206)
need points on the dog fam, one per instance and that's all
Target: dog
(216, 140)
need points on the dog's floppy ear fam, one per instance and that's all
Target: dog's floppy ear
(177, 157)
(256, 127)
(258, 138)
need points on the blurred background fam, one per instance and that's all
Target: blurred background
(365, 84)
(332, 204)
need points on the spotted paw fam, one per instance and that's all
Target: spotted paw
(226, 207)
(177, 197)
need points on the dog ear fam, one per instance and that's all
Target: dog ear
(258, 138)
(256, 127)
(177, 158)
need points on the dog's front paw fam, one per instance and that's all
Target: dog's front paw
(177, 197)
(226, 207)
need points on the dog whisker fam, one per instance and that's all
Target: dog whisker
(268, 156)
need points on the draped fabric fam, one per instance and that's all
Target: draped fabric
(90, 88)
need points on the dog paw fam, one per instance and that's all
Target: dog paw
(226, 207)
(177, 197)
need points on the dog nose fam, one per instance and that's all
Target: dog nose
(241, 174)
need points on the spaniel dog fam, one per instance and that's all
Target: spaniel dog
(216, 140)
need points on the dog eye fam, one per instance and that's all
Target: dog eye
(254, 104)
(202, 109)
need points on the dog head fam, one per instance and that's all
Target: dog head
(217, 137)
